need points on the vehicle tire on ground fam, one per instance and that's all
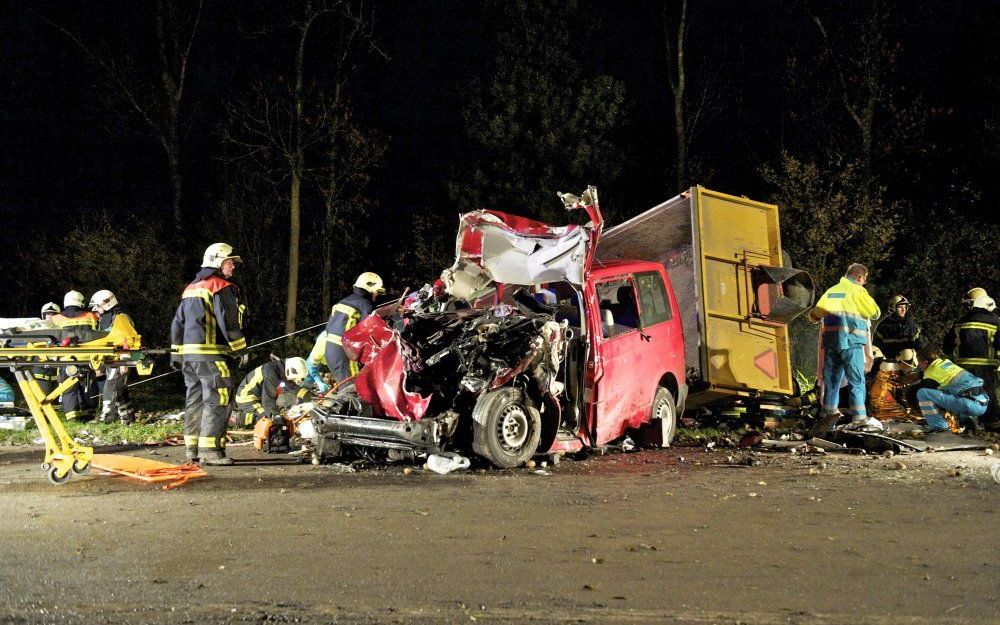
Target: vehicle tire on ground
(664, 416)
(505, 428)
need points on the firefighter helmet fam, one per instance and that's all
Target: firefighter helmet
(877, 353)
(898, 300)
(103, 301)
(295, 370)
(73, 298)
(51, 308)
(907, 357)
(985, 302)
(973, 293)
(371, 282)
(218, 253)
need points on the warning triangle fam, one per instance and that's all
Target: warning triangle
(767, 362)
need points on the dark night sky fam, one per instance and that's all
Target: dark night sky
(67, 153)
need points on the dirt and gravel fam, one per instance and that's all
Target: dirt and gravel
(678, 536)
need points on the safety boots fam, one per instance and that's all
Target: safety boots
(215, 458)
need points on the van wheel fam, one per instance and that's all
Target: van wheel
(505, 428)
(665, 413)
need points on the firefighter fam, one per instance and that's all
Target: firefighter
(897, 331)
(316, 365)
(947, 386)
(80, 325)
(346, 314)
(973, 343)
(47, 377)
(114, 393)
(208, 340)
(975, 293)
(257, 395)
(845, 311)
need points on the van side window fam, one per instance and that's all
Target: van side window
(653, 297)
(618, 297)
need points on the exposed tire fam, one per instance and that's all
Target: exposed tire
(664, 414)
(505, 428)
(81, 468)
(56, 479)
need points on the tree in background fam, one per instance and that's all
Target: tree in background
(538, 125)
(153, 95)
(287, 125)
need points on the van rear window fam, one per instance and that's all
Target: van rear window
(652, 298)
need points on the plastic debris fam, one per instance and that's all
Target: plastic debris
(446, 462)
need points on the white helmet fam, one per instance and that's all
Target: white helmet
(371, 282)
(217, 253)
(985, 302)
(295, 370)
(73, 298)
(51, 308)
(103, 301)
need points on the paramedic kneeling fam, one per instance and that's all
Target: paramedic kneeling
(946, 386)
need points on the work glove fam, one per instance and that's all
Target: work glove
(243, 361)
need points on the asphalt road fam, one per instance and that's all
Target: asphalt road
(678, 536)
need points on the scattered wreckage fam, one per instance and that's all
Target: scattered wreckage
(559, 347)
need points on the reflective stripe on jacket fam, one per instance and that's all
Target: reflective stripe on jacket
(260, 386)
(209, 320)
(845, 310)
(77, 322)
(347, 313)
(974, 340)
(948, 377)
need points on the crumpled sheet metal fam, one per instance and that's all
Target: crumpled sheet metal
(381, 382)
(520, 251)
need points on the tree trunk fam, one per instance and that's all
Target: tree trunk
(172, 145)
(679, 129)
(294, 228)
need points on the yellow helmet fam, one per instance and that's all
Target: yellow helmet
(898, 300)
(973, 294)
(371, 282)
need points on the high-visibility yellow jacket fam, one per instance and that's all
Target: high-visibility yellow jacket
(845, 310)
(318, 354)
(946, 376)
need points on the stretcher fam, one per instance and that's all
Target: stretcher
(33, 345)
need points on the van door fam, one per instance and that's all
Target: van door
(623, 351)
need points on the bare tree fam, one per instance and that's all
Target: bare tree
(156, 101)
(673, 41)
(293, 120)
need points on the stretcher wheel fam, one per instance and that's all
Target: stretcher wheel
(46, 466)
(81, 469)
(55, 479)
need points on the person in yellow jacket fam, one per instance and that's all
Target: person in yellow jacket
(845, 311)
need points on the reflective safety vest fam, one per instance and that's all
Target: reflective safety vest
(318, 354)
(845, 310)
(951, 378)
(209, 320)
(347, 313)
(974, 340)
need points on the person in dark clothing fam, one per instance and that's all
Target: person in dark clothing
(973, 343)
(80, 325)
(257, 394)
(897, 331)
(208, 340)
(346, 314)
(115, 401)
(47, 377)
